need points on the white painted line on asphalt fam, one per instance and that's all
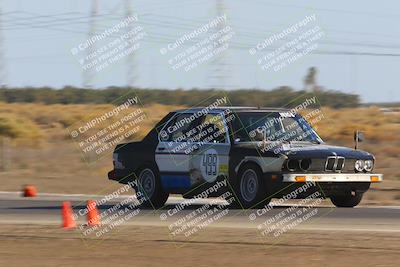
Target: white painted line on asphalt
(173, 198)
(378, 207)
(349, 228)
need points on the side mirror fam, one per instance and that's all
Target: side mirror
(358, 138)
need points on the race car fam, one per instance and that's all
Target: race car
(254, 153)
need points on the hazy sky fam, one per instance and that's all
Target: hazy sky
(359, 51)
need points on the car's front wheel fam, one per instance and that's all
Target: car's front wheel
(251, 188)
(150, 188)
(347, 201)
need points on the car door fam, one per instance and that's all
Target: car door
(209, 159)
(173, 152)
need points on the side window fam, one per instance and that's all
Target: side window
(213, 129)
(179, 128)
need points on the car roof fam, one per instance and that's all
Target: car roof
(235, 109)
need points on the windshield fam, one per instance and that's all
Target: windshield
(272, 126)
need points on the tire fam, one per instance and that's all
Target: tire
(251, 188)
(150, 188)
(347, 201)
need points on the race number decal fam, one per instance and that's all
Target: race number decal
(209, 165)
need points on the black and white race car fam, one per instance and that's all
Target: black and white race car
(260, 153)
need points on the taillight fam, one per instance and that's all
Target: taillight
(115, 159)
(116, 162)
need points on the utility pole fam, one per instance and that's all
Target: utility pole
(2, 62)
(130, 59)
(89, 74)
(218, 65)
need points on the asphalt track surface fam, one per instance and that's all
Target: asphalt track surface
(46, 209)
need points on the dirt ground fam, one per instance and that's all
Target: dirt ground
(39, 245)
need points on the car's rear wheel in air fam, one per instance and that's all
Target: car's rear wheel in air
(347, 201)
(150, 188)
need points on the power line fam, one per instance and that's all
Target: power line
(2, 62)
(332, 10)
(159, 37)
(76, 20)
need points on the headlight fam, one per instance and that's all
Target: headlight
(359, 165)
(368, 165)
(292, 165)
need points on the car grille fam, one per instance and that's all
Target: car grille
(343, 165)
(340, 163)
(334, 164)
(327, 165)
(330, 163)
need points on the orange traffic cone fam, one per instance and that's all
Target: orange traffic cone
(30, 191)
(93, 214)
(68, 220)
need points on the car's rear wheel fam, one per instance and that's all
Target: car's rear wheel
(150, 188)
(251, 188)
(347, 201)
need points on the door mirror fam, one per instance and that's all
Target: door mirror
(358, 138)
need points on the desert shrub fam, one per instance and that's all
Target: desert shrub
(16, 127)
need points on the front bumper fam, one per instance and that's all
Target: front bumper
(333, 177)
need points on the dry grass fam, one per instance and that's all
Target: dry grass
(40, 150)
(382, 132)
(43, 152)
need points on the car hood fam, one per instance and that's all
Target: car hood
(323, 151)
(308, 150)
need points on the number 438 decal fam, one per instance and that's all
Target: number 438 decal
(209, 165)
